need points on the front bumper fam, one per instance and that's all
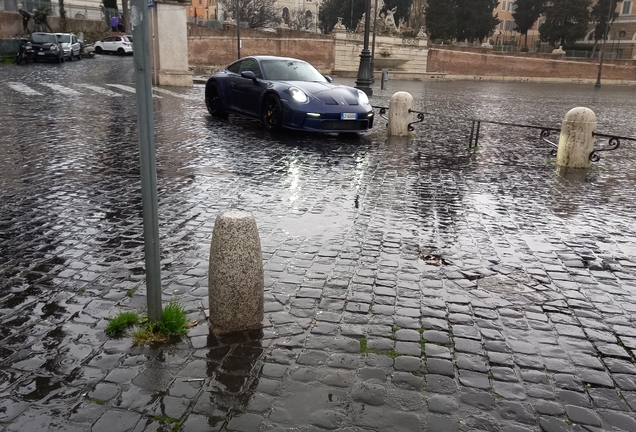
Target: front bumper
(46, 55)
(329, 122)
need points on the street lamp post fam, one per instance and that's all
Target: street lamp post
(238, 28)
(600, 64)
(375, 22)
(364, 79)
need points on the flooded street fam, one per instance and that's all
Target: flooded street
(410, 284)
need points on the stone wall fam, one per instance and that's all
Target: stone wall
(210, 50)
(403, 57)
(11, 25)
(469, 65)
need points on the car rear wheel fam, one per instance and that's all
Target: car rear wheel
(272, 112)
(98, 50)
(213, 100)
(121, 51)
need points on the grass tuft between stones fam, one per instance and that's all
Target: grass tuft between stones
(366, 350)
(121, 322)
(170, 420)
(173, 323)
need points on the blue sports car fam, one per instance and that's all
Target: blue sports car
(287, 93)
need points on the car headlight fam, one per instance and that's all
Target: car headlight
(363, 98)
(53, 48)
(298, 95)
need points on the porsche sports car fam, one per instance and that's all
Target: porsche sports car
(287, 93)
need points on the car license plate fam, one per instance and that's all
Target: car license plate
(40, 53)
(348, 116)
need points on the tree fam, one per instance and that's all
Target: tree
(526, 14)
(599, 14)
(441, 19)
(565, 21)
(255, 14)
(109, 7)
(63, 17)
(350, 10)
(475, 19)
(298, 19)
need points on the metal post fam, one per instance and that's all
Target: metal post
(600, 65)
(238, 28)
(363, 81)
(375, 22)
(145, 120)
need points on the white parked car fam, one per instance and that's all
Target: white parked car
(70, 45)
(115, 44)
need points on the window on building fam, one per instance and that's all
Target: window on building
(501, 24)
(503, 5)
(308, 19)
(511, 25)
(540, 22)
(627, 8)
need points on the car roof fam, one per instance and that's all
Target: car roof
(266, 57)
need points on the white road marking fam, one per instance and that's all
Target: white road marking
(101, 90)
(128, 89)
(62, 89)
(23, 88)
(175, 94)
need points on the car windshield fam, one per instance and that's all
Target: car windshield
(290, 70)
(63, 38)
(43, 38)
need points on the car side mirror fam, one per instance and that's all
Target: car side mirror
(328, 78)
(249, 74)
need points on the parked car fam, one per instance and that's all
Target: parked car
(116, 44)
(287, 93)
(46, 47)
(70, 45)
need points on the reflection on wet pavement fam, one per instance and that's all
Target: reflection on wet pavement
(523, 317)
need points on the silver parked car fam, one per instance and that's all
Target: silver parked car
(70, 45)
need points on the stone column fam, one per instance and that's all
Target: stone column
(576, 141)
(399, 115)
(235, 276)
(171, 39)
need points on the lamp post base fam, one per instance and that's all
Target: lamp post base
(365, 73)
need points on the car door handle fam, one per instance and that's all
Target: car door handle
(232, 85)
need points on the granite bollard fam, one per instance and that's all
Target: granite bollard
(576, 141)
(235, 276)
(399, 114)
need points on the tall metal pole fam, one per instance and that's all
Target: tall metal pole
(363, 81)
(145, 124)
(238, 28)
(600, 65)
(375, 23)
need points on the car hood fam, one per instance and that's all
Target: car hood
(46, 45)
(327, 93)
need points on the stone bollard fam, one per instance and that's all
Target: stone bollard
(235, 277)
(576, 141)
(399, 115)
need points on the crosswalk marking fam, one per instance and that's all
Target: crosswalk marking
(175, 94)
(22, 88)
(128, 89)
(100, 90)
(61, 89)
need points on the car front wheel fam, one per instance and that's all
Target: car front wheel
(98, 50)
(272, 112)
(213, 101)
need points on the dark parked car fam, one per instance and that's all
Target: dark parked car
(287, 93)
(46, 47)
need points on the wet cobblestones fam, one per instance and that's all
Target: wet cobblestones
(410, 284)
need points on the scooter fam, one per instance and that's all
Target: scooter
(86, 50)
(25, 54)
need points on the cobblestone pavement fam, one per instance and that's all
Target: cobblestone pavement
(410, 284)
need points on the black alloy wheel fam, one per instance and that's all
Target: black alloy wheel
(272, 113)
(213, 101)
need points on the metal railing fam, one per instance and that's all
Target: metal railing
(613, 143)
